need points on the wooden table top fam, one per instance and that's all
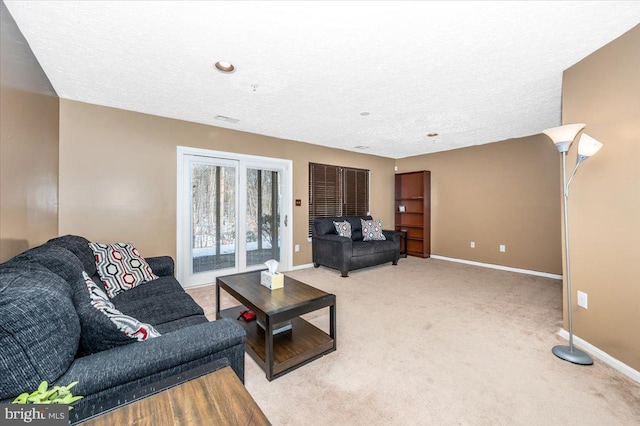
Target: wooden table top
(217, 398)
(294, 293)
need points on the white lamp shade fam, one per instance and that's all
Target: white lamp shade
(564, 134)
(588, 146)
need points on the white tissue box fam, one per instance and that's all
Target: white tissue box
(271, 281)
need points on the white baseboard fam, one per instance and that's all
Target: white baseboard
(632, 373)
(192, 286)
(305, 266)
(502, 268)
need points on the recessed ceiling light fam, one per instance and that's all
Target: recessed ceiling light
(364, 113)
(361, 147)
(225, 66)
(431, 135)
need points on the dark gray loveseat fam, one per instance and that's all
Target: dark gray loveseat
(347, 254)
(47, 324)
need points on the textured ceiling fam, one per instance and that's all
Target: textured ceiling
(474, 72)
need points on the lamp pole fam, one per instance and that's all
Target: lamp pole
(563, 137)
(566, 246)
(569, 353)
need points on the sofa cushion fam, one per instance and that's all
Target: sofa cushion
(372, 230)
(356, 226)
(181, 323)
(383, 246)
(324, 226)
(343, 228)
(56, 259)
(128, 325)
(363, 248)
(39, 328)
(121, 267)
(146, 305)
(80, 247)
(161, 286)
(59, 259)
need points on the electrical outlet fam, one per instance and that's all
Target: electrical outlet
(503, 248)
(582, 299)
(297, 248)
(472, 244)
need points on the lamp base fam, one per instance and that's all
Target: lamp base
(573, 355)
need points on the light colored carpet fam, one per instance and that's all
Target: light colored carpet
(432, 342)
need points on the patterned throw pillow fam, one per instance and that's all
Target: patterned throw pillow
(343, 228)
(128, 325)
(120, 267)
(372, 230)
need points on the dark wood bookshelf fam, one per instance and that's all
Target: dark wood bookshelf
(413, 197)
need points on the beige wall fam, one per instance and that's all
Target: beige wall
(498, 193)
(28, 147)
(603, 91)
(118, 174)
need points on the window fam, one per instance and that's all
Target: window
(337, 191)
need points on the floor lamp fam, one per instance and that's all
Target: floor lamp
(563, 136)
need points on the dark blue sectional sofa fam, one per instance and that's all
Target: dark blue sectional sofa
(48, 330)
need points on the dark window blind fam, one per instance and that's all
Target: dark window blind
(355, 184)
(337, 191)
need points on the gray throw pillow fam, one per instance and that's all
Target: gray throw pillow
(343, 228)
(120, 267)
(372, 230)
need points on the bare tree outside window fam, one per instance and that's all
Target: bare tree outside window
(263, 238)
(213, 217)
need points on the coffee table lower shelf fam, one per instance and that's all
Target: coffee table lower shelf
(291, 349)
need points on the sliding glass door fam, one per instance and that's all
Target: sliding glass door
(214, 183)
(230, 215)
(263, 216)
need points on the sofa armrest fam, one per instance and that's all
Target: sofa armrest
(161, 265)
(333, 251)
(332, 244)
(124, 368)
(89, 411)
(390, 234)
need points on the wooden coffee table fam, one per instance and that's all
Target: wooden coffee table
(286, 351)
(216, 398)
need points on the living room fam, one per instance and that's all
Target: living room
(109, 174)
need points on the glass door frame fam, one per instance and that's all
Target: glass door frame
(183, 212)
